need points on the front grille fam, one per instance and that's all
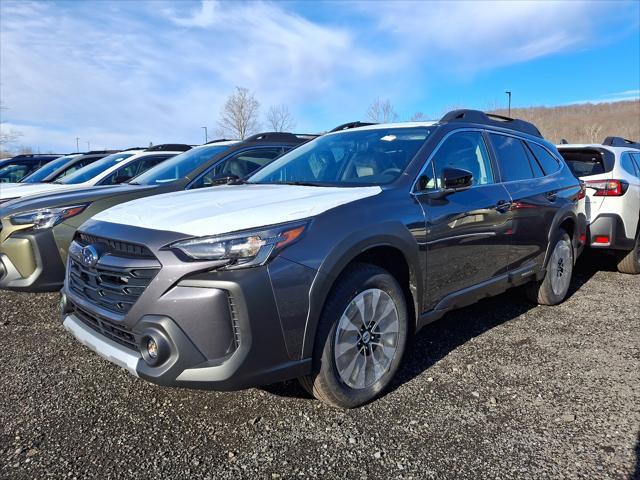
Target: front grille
(114, 332)
(123, 249)
(113, 288)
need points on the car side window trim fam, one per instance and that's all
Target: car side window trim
(428, 164)
(233, 154)
(525, 140)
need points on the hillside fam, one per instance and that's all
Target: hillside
(584, 123)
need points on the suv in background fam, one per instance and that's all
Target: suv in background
(611, 173)
(322, 263)
(15, 169)
(108, 170)
(36, 231)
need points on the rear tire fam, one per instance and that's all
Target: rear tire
(553, 289)
(361, 338)
(629, 262)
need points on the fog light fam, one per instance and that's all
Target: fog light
(152, 348)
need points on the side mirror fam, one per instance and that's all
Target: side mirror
(456, 179)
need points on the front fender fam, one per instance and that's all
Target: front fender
(386, 234)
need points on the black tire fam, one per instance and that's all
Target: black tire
(325, 382)
(629, 262)
(542, 292)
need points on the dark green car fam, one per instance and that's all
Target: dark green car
(36, 231)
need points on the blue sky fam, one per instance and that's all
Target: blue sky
(124, 73)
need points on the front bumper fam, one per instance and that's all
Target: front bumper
(223, 330)
(607, 232)
(23, 257)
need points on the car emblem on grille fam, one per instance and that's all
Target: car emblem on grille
(90, 256)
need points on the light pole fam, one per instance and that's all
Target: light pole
(509, 94)
(77, 145)
(88, 146)
(206, 135)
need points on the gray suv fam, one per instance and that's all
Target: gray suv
(323, 263)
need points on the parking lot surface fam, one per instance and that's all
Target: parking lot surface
(501, 389)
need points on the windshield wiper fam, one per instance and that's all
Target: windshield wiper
(302, 184)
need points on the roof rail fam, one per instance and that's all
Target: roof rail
(133, 148)
(620, 142)
(280, 137)
(169, 147)
(218, 140)
(96, 152)
(564, 141)
(482, 118)
(350, 125)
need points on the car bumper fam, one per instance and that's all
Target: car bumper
(22, 256)
(221, 330)
(607, 232)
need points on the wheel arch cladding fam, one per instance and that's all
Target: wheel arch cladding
(567, 221)
(398, 254)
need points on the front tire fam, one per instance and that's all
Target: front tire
(630, 261)
(361, 338)
(553, 289)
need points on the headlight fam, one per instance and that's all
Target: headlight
(46, 217)
(242, 250)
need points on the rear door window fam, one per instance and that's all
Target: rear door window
(547, 161)
(636, 160)
(626, 162)
(512, 158)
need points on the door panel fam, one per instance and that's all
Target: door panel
(467, 240)
(535, 199)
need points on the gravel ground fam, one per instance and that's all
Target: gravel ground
(500, 389)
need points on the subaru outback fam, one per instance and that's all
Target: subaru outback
(322, 264)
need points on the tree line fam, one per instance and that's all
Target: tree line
(240, 117)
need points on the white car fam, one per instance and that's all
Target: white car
(111, 170)
(611, 173)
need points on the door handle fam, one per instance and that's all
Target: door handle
(551, 196)
(503, 206)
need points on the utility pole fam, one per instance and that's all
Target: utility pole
(88, 146)
(509, 94)
(77, 145)
(206, 136)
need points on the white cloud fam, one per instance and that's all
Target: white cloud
(468, 36)
(126, 73)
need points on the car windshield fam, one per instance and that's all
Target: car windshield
(96, 168)
(42, 173)
(364, 157)
(179, 166)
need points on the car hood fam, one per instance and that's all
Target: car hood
(24, 189)
(67, 198)
(225, 209)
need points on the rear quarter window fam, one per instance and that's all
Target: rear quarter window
(547, 161)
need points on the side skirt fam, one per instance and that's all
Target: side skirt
(473, 294)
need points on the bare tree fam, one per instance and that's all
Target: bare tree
(7, 136)
(240, 114)
(418, 117)
(279, 119)
(381, 111)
